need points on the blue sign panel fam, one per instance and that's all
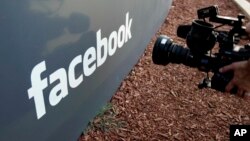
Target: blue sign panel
(61, 60)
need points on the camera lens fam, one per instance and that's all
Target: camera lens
(165, 51)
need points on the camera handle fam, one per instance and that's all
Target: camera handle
(205, 83)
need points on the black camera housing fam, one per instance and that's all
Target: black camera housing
(201, 37)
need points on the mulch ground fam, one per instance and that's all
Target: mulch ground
(163, 102)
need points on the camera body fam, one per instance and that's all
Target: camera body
(201, 37)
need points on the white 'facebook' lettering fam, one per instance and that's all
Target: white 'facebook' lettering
(92, 58)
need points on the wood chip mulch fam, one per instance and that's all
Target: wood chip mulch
(163, 102)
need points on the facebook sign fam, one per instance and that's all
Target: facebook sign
(62, 60)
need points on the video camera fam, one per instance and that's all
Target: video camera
(201, 37)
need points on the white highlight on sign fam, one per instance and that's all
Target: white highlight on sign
(93, 58)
